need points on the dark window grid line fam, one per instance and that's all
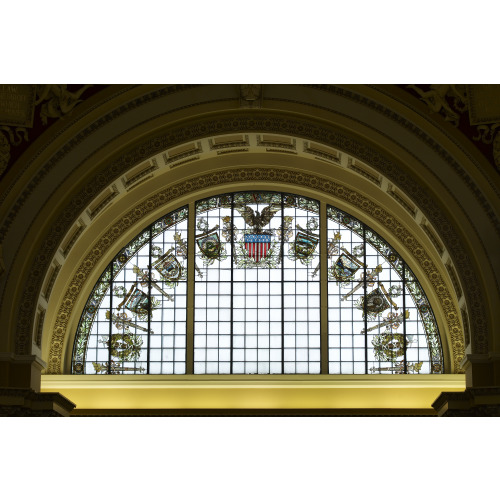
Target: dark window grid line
(282, 256)
(110, 322)
(232, 279)
(365, 284)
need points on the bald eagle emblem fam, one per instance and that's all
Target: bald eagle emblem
(258, 220)
(257, 247)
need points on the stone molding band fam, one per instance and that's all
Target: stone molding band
(239, 175)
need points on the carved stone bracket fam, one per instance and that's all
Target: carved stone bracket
(28, 403)
(450, 101)
(477, 402)
(250, 96)
(56, 101)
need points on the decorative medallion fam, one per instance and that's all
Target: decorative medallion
(376, 302)
(124, 346)
(305, 243)
(210, 246)
(388, 346)
(139, 303)
(170, 269)
(345, 267)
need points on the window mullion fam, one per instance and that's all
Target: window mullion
(282, 287)
(190, 289)
(323, 291)
(404, 319)
(150, 298)
(232, 287)
(111, 283)
(365, 310)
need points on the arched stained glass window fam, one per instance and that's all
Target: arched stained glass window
(275, 289)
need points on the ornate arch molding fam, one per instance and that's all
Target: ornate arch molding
(262, 121)
(226, 177)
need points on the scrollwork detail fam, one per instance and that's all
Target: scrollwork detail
(486, 133)
(56, 101)
(448, 100)
(496, 150)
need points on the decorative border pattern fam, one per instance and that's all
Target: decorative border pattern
(224, 177)
(255, 122)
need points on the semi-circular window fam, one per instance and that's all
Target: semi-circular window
(257, 283)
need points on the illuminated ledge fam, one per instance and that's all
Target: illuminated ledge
(109, 392)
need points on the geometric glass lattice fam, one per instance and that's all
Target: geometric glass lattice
(255, 288)
(135, 319)
(257, 302)
(379, 319)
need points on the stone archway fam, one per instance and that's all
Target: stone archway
(126, 129)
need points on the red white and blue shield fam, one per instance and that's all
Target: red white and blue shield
(257, 245)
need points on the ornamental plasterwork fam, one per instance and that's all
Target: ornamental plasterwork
(221, 178)
(18, 104)
(482, 102)
(260, 123)
(448, 100)
(251, 96)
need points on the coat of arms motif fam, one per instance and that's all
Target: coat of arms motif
(259, 247)
(209, 243)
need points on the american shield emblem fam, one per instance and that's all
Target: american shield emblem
(305, 244)
(257, 245)
(209, 245)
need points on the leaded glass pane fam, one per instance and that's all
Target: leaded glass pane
(135, 319)
(257, 289)
(375, 305)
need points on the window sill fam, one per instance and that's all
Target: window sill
(119, 392)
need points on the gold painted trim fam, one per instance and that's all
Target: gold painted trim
(108, 392)
(216, 181)
(375, 381)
